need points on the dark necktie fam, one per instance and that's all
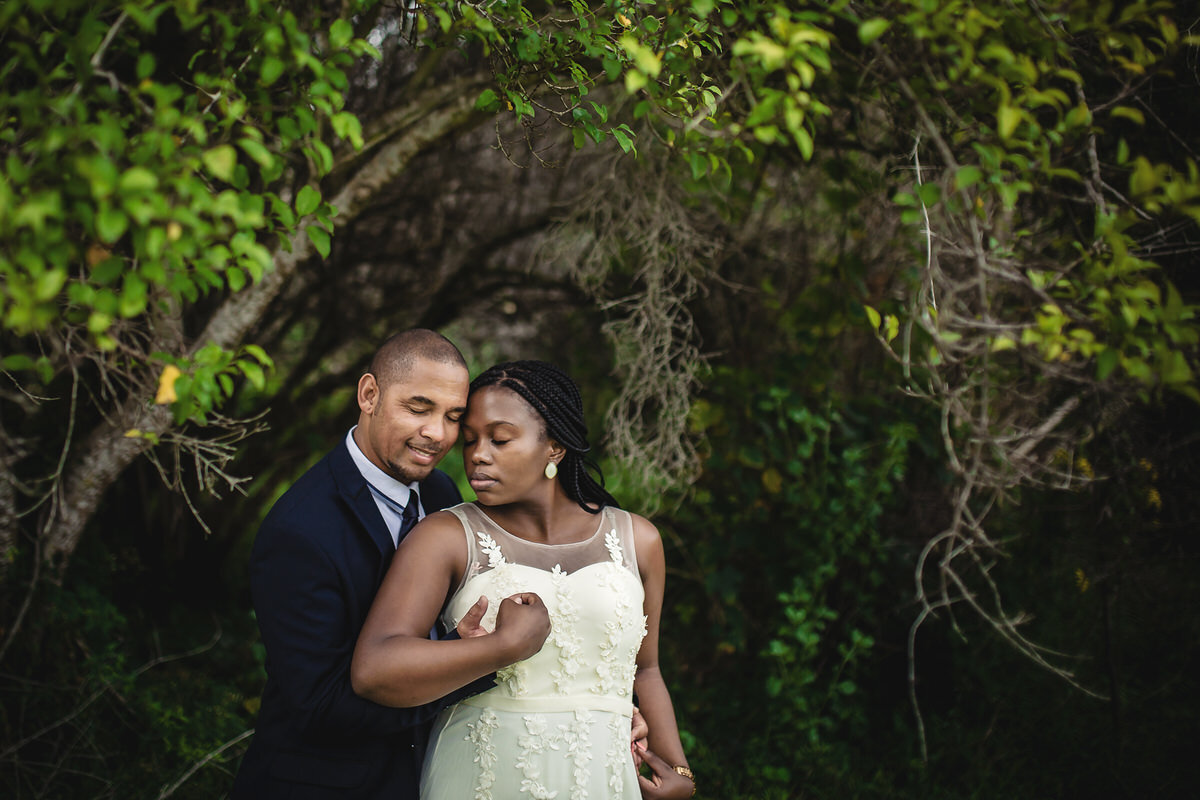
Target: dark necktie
(409, 517)
(408, 513)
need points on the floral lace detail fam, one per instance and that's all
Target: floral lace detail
(613, 543)
(503, 584)
(618, 652)
(618, 751)
(578, 741)
(563, 633)
(489, 547)
(580, 751)
(485, 751)
(534, 743)
(514, 678)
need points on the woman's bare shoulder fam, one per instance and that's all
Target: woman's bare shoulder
(439, 529)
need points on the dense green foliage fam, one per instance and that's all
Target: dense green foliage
(156, 161)
(935, 254)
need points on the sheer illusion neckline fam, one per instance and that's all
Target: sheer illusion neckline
(599, 529)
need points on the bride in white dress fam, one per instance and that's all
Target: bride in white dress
(556, 724)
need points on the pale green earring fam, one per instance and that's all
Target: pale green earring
(551, 470)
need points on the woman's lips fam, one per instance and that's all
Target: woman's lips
(480, 480)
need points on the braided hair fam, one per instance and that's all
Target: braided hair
(556, 399)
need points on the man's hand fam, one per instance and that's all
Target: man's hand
(523, 623)
(664, 782)
(469, 626)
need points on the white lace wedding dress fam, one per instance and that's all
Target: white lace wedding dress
(555, 725)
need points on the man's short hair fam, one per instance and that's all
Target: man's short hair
(397, 355)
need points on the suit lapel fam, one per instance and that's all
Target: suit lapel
(353, 489)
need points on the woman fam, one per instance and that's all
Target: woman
(557, 723)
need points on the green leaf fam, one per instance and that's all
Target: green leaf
(487, 101)
(624, 139)
(1132, 114)
(872, 29)
(260, 354)
(347, 127)
(873, 316)
(235, 278)
(253, 373)
(145, 66)
(892, 325)
(307, 201)
(1106, 362)
(16, 362)
(49, 283)
(804, 141)
(1175, 369)
(1007, 119)
(272, 68)
(966, 177)
(111, 224)
(138, 179)
(1144, 178)
(319, 238)
(340, 33)
(257, 151)
(220, 161)
(644, 58)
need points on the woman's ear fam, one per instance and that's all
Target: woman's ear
(557, 452)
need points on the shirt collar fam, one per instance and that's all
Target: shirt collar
(376, 477)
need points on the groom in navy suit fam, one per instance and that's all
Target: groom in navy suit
(317, 563)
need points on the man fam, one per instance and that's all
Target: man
(317, 563)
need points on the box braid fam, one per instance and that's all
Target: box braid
(555, 397)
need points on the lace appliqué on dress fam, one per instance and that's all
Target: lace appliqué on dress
(618, 653)
(490, 549)
(579, 748)
(618, 753)
(563, 632)
(485, 751)
(534, 743)
(613, 543)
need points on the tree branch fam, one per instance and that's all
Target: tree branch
(108, 451)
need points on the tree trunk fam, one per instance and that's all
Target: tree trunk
(107, 451)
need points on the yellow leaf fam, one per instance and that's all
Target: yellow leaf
(772, 481)
(166, 385)
(133, 433)
(624, 20)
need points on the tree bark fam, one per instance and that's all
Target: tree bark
(107, 451)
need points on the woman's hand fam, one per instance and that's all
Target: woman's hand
(664, 782)
(638, 734)
(469, 626)
(523, 623)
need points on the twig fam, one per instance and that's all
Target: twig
(167, 791)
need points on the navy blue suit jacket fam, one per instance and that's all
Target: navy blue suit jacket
(317, 562)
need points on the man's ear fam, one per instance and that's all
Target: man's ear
(368, 394)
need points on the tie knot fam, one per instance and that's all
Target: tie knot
(409, 517)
